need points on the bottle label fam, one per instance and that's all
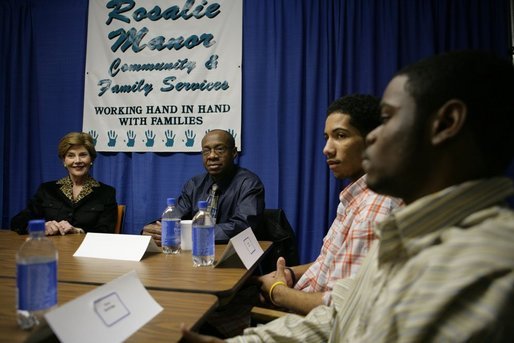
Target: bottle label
(203, 241)
(37, 285)
(170, 234)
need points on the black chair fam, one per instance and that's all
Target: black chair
(275, 227)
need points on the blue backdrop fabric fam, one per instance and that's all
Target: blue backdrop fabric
(298, 56)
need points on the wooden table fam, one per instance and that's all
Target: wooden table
(178, 307)
(155, 270)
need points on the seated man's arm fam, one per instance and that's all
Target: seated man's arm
(315, 327)
(283, 295)
(247, 206)
(297, 301)
(183, 206)
(297, 272)
(154, 230)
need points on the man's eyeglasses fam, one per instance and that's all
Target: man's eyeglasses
(219, 150)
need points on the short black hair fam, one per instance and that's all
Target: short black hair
(481, 80)
(230, 140)
(363, 109)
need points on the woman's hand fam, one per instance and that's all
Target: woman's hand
(53, 227)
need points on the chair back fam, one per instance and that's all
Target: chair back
(275, 227)
(118, 228)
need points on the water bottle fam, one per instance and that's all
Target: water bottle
(36, 277)
(203, 237)
(170, 235)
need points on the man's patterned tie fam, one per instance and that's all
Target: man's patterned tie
(213, 201)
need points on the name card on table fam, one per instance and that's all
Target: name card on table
(116, 247)
(109, 313)
(242, 248)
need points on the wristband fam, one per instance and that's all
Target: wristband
(293, 276)
(272, 288)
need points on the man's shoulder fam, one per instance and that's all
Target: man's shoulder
(240, 175)
(481, 240)
(490, 224)
(198, 177)
(246, 173)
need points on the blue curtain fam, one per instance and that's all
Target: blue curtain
(298, 56)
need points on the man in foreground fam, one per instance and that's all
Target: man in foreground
(443, 267)
(236, 195)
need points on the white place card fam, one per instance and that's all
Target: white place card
(116, 247)
(244, 246)
(109, 313)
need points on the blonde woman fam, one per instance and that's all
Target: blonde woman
(76, 203)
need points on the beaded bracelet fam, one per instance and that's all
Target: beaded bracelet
(272, 288)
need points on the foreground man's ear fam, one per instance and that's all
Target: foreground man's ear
(448, 121)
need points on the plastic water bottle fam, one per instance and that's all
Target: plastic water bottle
(36, 277)
(170, 235)
(203, 237)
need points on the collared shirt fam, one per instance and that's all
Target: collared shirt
(349, 238)
(240, 202)
(87, 187)
(442, 270)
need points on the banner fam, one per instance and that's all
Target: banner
(161, 73)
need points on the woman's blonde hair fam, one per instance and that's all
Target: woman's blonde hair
(76, 138)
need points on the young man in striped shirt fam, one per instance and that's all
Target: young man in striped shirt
(349, 120)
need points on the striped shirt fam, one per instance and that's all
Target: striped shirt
(441, 271)
(349, 238)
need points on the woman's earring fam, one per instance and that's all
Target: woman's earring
(91, 164)
(64, 165)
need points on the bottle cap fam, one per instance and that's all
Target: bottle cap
(202, 204)
(170, 201)
(36, 225)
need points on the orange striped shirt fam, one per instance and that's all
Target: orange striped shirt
(349, 238)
